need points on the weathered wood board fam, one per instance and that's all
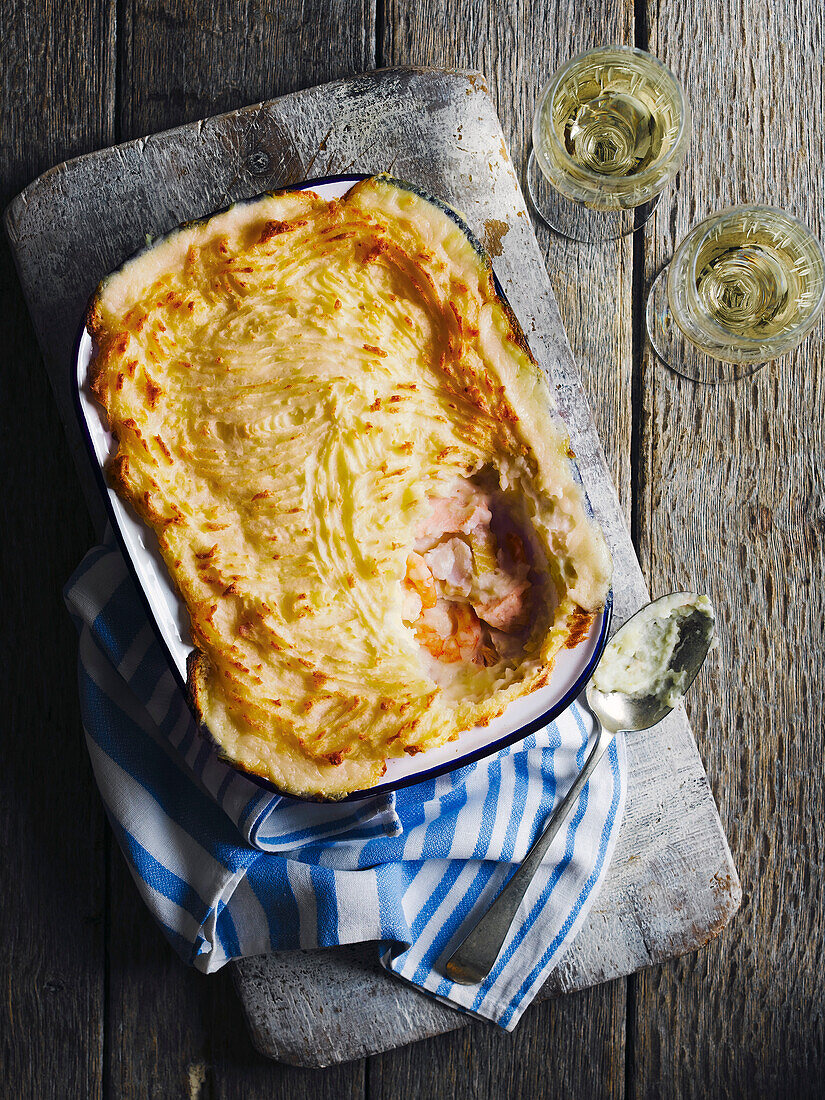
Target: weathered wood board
(672, 884)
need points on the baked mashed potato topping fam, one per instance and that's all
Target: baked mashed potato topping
(355, 473)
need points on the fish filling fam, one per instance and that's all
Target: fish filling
(469, 589)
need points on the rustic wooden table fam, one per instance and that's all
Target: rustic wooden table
(723, 490)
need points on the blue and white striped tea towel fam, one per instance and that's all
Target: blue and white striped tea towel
(230, 870)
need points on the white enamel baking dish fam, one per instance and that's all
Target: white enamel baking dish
(170, 619)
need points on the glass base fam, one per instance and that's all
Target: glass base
(677, 352)
(576, 221)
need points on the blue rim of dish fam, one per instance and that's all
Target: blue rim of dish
(379, 789)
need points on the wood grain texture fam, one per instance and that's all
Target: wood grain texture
(183, 60)
(157, 1024)
(732, 500)
(569, 1047)
(57, 69)
(173, 1032)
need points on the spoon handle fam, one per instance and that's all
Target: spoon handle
(473, 959)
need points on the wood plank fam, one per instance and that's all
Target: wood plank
(671, 883)
(174, 1032)
(731, 502)
(572, 1046)
(157, 1030)
(57, 66)
(182, 60)
(585, 1031)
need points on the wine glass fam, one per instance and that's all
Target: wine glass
(610, 131)
(745, 286)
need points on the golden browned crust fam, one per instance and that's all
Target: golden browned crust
(282, 433)
(578, 625)
(195, 672)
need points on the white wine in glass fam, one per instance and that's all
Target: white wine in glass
(610, 131)
(745, 286)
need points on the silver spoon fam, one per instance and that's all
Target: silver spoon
(682, 651)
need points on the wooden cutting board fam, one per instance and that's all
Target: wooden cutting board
(672, 885)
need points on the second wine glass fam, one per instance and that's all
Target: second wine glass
(744, 287)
